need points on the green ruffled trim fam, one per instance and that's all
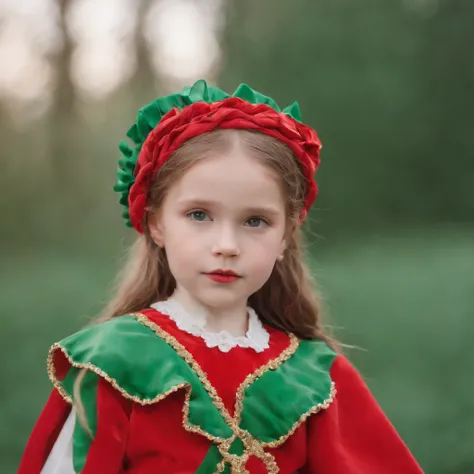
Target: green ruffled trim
(82, 439)
(150, 115)
(145, 364)
(115, 350)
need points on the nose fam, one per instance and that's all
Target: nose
(226, 242)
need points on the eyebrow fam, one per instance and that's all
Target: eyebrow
(266, 210)
(272, 211)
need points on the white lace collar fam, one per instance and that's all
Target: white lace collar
(256, 338)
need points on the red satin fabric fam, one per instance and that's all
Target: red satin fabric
(177, 126)
(44, 434)
(352, 436)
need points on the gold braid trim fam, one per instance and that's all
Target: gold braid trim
(251, 445)
(141, 401)
(273, 365)
(317, 408)
(92, 368)
(236, 462)
(251, 378)
(186, 356)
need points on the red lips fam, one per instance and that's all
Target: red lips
(223, 276)
(219, 271)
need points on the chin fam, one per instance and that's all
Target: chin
(220, 299)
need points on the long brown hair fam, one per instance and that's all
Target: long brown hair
(287, 301)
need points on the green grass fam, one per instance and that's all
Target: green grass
(407, 302)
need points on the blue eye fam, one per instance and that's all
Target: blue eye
(256, 222)
(198, 216)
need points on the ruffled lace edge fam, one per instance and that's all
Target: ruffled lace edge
(256, 338)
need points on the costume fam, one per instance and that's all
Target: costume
(161, 395)
(159, 399)
(165, 124)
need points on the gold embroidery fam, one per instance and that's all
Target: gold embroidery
(194, 428)
(220, 467)
(237, 463)
(273, 365)
(256, 448)
(251, 378)
(185, 355)
(114, 383)
(251, 445)
(303, 418)
(101, 373)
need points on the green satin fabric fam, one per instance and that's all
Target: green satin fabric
(150, 115)
(210, 462)
(82, 440)
(145, 366)
(276, 401)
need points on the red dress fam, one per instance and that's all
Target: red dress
(347, 433)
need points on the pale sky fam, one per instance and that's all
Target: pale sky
(182, 36)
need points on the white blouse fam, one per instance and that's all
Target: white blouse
(60, 458)
(257, 338)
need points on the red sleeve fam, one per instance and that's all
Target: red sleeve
(106, 451)
(44, 434)
(353, 436)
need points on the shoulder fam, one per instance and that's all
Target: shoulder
(329, 373)
(352, 390)
(116, 336)
(344, 373)
(315, 355)
(126, 351)
(111, 338)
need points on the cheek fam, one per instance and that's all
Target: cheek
(265, 252)
(181, 245)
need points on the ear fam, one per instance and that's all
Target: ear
(283, 246)
(156, 230)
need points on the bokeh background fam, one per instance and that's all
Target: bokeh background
(390, 88)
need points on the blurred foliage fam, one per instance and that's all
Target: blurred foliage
(389, 87)
(406, 302)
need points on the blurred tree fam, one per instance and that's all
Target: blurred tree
(445, 111)
(144, 79)
(389, 88)
(62, 115)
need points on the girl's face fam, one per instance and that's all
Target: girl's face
(225, 214)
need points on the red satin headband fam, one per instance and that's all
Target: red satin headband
(178, 125)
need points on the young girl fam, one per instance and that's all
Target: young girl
(212, 357)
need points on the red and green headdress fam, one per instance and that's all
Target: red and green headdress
(165, 124)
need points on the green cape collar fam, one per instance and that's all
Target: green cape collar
(270, 404)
